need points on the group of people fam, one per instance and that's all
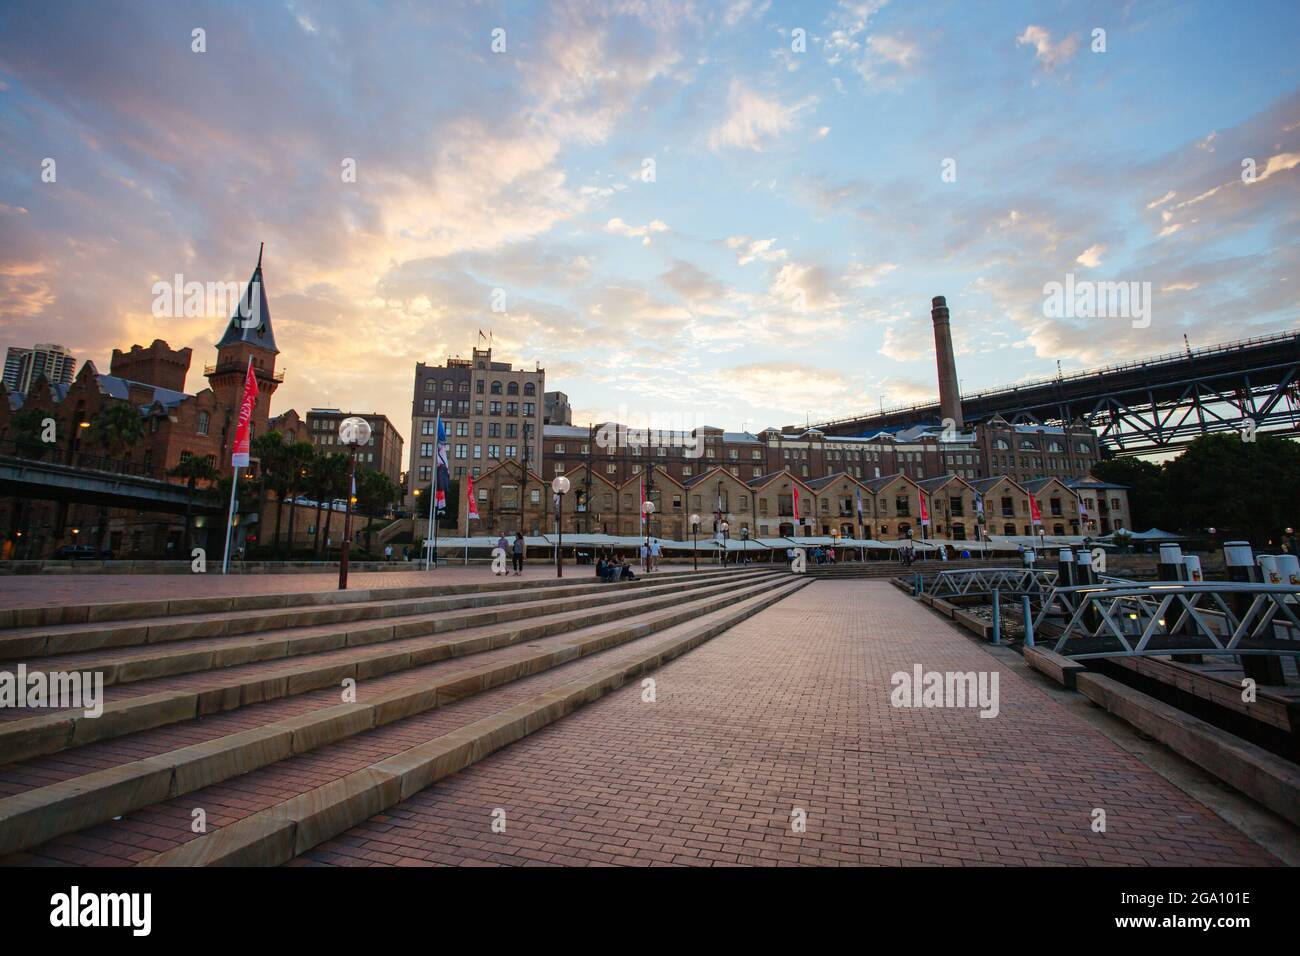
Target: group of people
(613, 568)
(516, 551)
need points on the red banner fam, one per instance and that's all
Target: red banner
(925, 514)
(796, 506)
(471, 506)
(1035, 515)
(240, 457)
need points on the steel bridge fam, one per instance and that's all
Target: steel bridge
(982, 582)
(1147, 405)
(1124, 619)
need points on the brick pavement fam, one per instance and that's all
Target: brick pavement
(791, 709)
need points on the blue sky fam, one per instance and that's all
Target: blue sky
(779, 265)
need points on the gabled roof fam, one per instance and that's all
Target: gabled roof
(115, 386)
(820, 483)
(1091, 482)
(984, 484)
(762, 481)
(931, 485)
(251, 322)
(517, 466)
(712, 472)
(1038, 484)
(875, 484)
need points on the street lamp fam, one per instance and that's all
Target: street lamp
(647, 509)
(744, 537)
(695, 541)
(353, 432)
(559, 485)
(724, 529)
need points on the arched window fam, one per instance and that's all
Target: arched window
(530, 388)
(1001, 444)
(512, 388)
(496, 388)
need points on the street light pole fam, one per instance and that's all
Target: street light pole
(695, 541)
(353, 432)
(560, 486)
(647, 508)
(725, 536)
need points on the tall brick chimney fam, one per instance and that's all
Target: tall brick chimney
(949, 394)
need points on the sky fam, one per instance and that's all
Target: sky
(731, 213)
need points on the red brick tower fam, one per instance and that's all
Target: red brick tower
(248, 335)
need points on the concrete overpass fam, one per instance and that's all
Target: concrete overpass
(54, 481)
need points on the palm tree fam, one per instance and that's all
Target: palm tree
(193, 469)
(338, 486)
(375, 492)
(117, 428)
(268, 449)
(326, 474)
(297, 460)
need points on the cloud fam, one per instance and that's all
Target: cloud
(754, 120)
(750, 250)
(619, 228)
(1090, 258)
(1050, 55)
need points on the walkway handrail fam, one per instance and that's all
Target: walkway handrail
(1208, 617)
(959, 582)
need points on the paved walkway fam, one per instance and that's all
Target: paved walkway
(791, 711)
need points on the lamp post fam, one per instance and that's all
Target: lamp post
(744, 538)
(695, 541)
(353, 432)
(647, 509)
(560, 486)
(725, 528)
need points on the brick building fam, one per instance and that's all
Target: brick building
(493, 413)
(176, 425)
(382, 453)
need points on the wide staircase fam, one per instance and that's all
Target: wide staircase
(247, 730)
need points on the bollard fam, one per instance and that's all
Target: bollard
(1029, 621)
(997, 617)
(1172, 566)
(1241, 566)
(1065, 568)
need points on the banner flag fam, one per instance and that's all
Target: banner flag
(471, 506)
(239, 459)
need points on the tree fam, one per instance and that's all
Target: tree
(375, 492)
(28, 425)
(297, 458)
(117, 428)
(1246, 489)
(326, 479)
(1146, 484)
(268, 449)
(193, 469)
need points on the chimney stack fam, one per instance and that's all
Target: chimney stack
(949, 395)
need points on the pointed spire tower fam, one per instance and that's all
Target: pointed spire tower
(248, 335)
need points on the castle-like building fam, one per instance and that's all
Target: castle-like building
(176, 425)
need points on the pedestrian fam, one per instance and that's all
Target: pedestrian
(654, 554)
(519, 553)
(388, 553)
(645, 556)
(504, 546)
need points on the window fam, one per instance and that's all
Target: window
(494, 408)
(478, 387)
(530, 388)
(449, 386)
(478, 451)
(428, 428)
(204, 420)
(426, 471)
(494, 451)
(530, 409)
(426, 449)
(462, 451)
(559, 467)
(512, 388)
(512, 408)
(559, 448)
(496, 388)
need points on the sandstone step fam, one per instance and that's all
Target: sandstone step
(36, 815)
(209, 617)
(247, 673)
(277, 833)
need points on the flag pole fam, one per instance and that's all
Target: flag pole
(235, 464)
(230, 518)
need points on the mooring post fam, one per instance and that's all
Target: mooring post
(997, 617)
(1029, 621)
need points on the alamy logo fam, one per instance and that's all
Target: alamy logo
(923, 688)
(1085, 299)
(73, 689)
(196, 300)
(103, 909)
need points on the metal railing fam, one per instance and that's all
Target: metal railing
(1128, 619)
(53, 455)
(971, 582)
